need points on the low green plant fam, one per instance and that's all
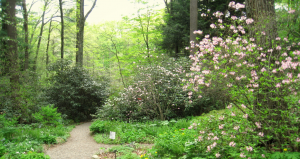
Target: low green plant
(48, 115)
(2, 149)
(48, 139)
(34, 155)
(98, 126)
(7, 127)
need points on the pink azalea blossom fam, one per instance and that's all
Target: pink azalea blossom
(233, 17)
(213, 26)
(200, 138)
(249, 21)
(249, 148)
(232, 144)
(232, 114)
(262, 155)
(245, 116)
(236, 127)
(242, 155)
(218, 155)
(291, 11)
(243, 106)
(278, 85)
(221, 126)
(261, 134)
(198, 32)
(258, 124)
(221, 117)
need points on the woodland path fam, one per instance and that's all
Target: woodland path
(80, 145)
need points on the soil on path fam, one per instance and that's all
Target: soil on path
(80, 145)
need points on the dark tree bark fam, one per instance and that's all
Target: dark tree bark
(80, 20)
(3, 33)
(25, 16)
(263, 14)
(62, 28)
(13, 54)
(193, 22)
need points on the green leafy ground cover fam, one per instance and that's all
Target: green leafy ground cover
(26, 141)
(217, 134)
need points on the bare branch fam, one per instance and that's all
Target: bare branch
(88, 13)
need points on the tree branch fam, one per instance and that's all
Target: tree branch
(88, 13)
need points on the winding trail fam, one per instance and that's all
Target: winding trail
(80, 145)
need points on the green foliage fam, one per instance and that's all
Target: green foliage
(74, 92)
(285, 155)
(48, 116)
(2, 149)
(99, 126)
(48, 139)
(124, 152)
(34, 155)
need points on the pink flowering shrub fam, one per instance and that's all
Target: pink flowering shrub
(156, 93)
(264, 80)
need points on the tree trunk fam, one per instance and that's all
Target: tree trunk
(48, 43)
(40, 36)
(25, 16)
(193, 23)
(80, 20)
(263, 14)
(62, 29)
(13, 54)
(3, 33)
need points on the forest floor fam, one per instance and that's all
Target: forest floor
(80, 145)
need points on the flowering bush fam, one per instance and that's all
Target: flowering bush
(261, 80)
(156, 93)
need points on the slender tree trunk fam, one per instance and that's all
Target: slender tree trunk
(119, 63)
(80, 20)
(13, 54)
(25, 16)
(48, 43)
(62, 29)
(193, 22)
(40, 36)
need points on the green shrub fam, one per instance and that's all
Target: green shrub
(98, 126)
(7, 127)
(2, 149)
(48, 116)
(74, 92)
(48, 139)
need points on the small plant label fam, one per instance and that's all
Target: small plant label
(112, 135)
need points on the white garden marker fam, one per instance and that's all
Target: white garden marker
(112, 135)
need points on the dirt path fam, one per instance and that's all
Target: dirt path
(80, 145)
